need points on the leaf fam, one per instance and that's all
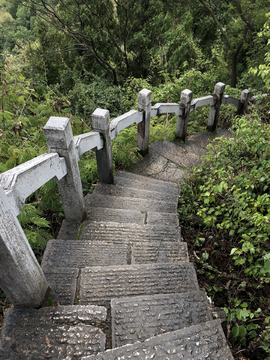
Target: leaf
(47, 340)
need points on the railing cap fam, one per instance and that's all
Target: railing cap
(219, 88)
(245, 94)
(186, 96)
(58, 132)
(145, 98)
(100, 119)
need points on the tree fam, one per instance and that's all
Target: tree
(263, 70)
(238, 27)
(122, 37)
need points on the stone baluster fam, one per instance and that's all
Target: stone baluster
(143, 133)
(182, 121)
(58, 133)
(215, 109)
(242, 108)
(101, 123)
(21, 277)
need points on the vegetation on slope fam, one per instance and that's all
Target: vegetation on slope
(224, 211)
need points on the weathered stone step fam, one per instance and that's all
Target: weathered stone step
(80, 254)
(176, 154)
(148, 252)
(146, 180)
(141, 317)
(131, 216)
(197, 342)
(117, 190)
(98, 285)
(167, 219)
(116, 215)
(62, 332)
(118, 202)
(138, 184)
(63, 282)
(133, 232)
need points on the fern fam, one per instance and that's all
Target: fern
(124, 147)
(34, 226)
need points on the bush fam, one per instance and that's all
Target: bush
(224, 212)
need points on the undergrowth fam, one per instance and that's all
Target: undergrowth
(224, 212)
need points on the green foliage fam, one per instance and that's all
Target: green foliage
(124, 147)
(34, 226)
(22, 119)
(263, 70)
(88, 171)
(227, 200)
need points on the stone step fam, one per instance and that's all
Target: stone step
(116, 215)
(197, 342)
(118, 190)
(176, 154)
(138, 184)
(130, 216)
(132, 232)
(61, 332)
(81, 254)
(63, 283)
(146, 180)
(134, 183)
(149, 252)
(167, 219)
(98, 285)
(118, 202)
(141, 317)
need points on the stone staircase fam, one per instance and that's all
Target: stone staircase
(122, 280)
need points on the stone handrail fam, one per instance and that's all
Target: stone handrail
(21, 181)
(21, 277)
(86, 142)
(124, 121)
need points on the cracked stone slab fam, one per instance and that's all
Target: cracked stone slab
(141, 317)
(118, 202)
(176, 154)
(80, 254)
(129, 232)
(63, 332)
(156, 166)
(116, 215)
(63, 283)
(198, 342)
(117, 190)
(98, 285)
(158, 252)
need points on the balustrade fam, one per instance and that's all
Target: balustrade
(21, 277)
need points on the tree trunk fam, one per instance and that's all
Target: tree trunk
(233, 74)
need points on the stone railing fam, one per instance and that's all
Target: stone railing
(21, 277)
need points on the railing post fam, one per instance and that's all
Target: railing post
(214, 111)
(182, 121)
(101, 123)
(58, 133)
(143, 134)
(242, 108)
(21, 277)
